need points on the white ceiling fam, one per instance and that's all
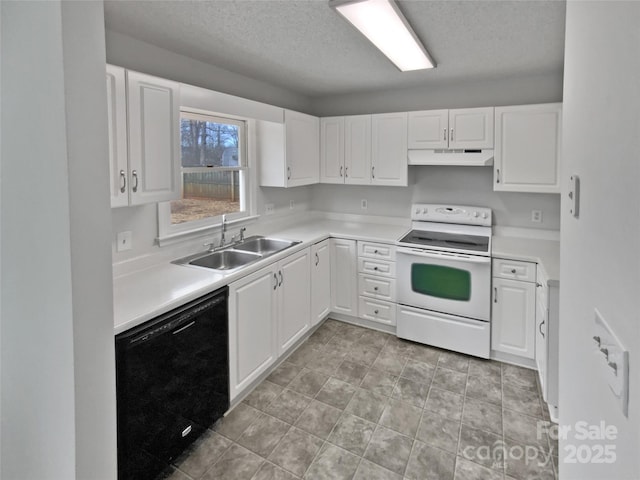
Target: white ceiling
(306, 47)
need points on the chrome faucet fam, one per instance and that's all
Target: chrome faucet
(224, 229)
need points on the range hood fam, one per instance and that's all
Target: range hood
(475, 158)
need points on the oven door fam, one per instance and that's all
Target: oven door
(453, 283)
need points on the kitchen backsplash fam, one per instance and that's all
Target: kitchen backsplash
(454, 185)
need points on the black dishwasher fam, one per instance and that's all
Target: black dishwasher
(172, 382)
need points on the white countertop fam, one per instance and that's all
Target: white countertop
(143, 295)
(543, 252)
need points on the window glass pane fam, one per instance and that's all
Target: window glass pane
(207, 194)
(209, 143)
(442, 282)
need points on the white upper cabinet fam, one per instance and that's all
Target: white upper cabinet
(462, 128)
(429, 129)
(345, 150)
(117, 120)
(389, 165)
(332, 150)
(289, 154)
(357, 149)
(302, 148)
(154, 138)
(527, 153)
(144, 137)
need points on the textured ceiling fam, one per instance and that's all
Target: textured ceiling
(306, 47)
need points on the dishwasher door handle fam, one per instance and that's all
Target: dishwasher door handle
(188, 325)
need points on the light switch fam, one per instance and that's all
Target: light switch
(613, 359)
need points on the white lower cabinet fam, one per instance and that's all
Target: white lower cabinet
(269, 310)
(320, 281)
(344, 276)
(294, 302)
(513, 314)
(253, 346)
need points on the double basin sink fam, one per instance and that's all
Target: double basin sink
(238, 255)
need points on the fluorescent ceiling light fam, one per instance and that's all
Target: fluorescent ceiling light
(382, 22)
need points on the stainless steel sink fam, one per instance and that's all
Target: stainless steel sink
(225, 259)
(237, 255)
(264, 245)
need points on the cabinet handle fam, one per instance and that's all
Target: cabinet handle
(346, 172)
(451, 135)
(538, 285)
(280, 282)
(288, 173)
(495, 294)
(373, 172)
(444, 137)
(275, 285)
(341, 170)
(317, 259)
(540, 328)
(497, 175)
(123, 179)
(134, 174)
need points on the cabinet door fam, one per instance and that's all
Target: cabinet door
(302, 147)
(320, 281)
(471, 128)
(429, 129)
(332, 150)
(252, 327)
(344, 279)
(295, 301)
(541, 339)
(117, 120)
(357, 152)
(154, 138)
(389, 162)
(513, 317)
(527, 153)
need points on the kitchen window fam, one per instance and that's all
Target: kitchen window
(214, 175)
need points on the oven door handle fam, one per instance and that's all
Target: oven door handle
(443, 256)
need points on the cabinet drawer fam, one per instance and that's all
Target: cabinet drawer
(377, 250)
(377, 311)
(377, 267)
(377, 287)
(514, 270)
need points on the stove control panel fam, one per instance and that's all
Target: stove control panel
(461, 214)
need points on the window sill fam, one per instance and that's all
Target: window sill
(204, 231)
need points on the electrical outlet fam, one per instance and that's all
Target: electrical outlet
(268, 208)
(536, 216)
(363, 204)
(124, 241)
(291, 204)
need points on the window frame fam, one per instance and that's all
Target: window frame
(170, 233)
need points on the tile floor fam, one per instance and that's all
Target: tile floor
(353, 403)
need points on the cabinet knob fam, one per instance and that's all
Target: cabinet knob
(375, 251)
(375, 268)
(513, 270)
(375, 312)
(375, 288)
